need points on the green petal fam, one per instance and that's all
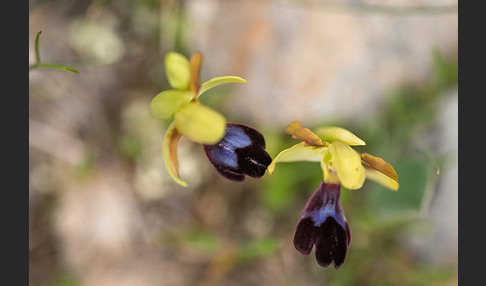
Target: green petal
(167, 102)
(298, 152)
(347, 163)
(169, 153)
(177, 70)
(333, 133)
(219, 81)
(381, 178)
(200, 123)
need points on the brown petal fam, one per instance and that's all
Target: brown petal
(195, 65)
(379, 165)
(305, 134)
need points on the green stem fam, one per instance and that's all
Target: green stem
(37, 56)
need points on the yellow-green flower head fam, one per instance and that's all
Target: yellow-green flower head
(191, 118)
(339, 162)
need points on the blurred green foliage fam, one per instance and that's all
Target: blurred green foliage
(62, 278)
(205, 241)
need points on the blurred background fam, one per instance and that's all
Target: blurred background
(103, 209)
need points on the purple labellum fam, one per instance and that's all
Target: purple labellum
(322, 223)
(241, 152)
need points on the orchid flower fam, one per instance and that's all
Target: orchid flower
(322, 221)
(235, 150)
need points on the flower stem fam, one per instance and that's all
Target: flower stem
(37, 56)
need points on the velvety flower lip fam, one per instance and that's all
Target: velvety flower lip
(322, 223)
(241, 152)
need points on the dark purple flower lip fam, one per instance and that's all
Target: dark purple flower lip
(241, 152)
(322, 223)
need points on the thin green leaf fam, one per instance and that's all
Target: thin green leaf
(45, 65)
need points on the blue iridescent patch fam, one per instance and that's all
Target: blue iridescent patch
(224, 151)
(241, 152)
(235, 137)
(320, 215)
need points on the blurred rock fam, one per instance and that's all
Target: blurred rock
(98, 223)
(314, 62)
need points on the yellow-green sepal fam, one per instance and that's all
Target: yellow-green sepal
(347, 163)
(165, 104)
(169, 153)
(298, 152)
(219, 81)
(382, 179)
(333, 133)
(177, 69)
(200, 123)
